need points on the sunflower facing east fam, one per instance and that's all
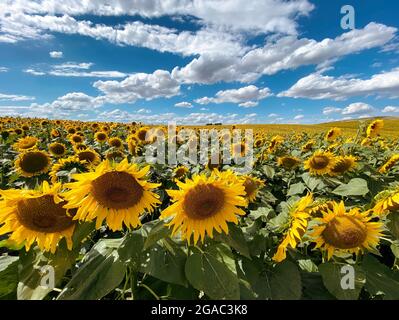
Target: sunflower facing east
(320, 163)
(203, 204)
(341, 231)
(36, 216)
(296, 226)
(117, 193)
(32, 163)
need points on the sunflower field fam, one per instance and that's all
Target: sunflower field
(83, 215)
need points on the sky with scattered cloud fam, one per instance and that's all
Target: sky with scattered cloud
(198, 61)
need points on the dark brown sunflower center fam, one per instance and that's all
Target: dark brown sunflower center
(345, 232)
(320, 162)
(57, 148)
(77, 139)
(33, 162)
(43, 214)
(115, 143)
(101, 136)
(117, 190)
(203, 201)
(89, 156)
(142, 135)
(250, 186)
(342, 166)
(180, 172)
(289, 162)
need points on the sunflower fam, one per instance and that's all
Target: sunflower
(366, 142)
(203, 204)
(115, 154)
(332, 134)
(295, 227)
(114, 192)
(386, 201)
(79, 147)
(252, 186)
(115, 142)
(180, 172)
(26, 143)
(275, 143)
(288, 163)
(141, 135)
(374, 128)
(339, 231)
(308, 146)
(343, 164)
(76, 138)
(32, 163)
(36, 216)
(55, 133)
(57, 149)
(320, 163)
(67, 164)
(101, 136)
(89, 155)
(393, 160)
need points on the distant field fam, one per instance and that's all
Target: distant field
(391, 127)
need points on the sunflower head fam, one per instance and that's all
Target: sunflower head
(295, 227)
(89, 155)
(66, 165)
(387, 166)
(341, 231)
(386, 201)
(375, 128)
(115, 142)
(115, 192)
(36, 216)
(308, 146)
(343, 165)
(180, 172)
(115, 154)
(101, 137)
(251, 186)
(76, 138)
(320, 163)
(32, 163)
(204, 204)
(288, 162)
(57, 149)
(26, 143)
(332, 134)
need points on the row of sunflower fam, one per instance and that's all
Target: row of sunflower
(80, 197)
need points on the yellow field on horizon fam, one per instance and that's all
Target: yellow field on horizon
(350, 127)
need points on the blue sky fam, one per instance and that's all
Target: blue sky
(192, 61)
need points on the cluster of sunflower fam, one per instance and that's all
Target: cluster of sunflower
(316, 197)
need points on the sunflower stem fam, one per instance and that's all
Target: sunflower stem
(133, 283)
